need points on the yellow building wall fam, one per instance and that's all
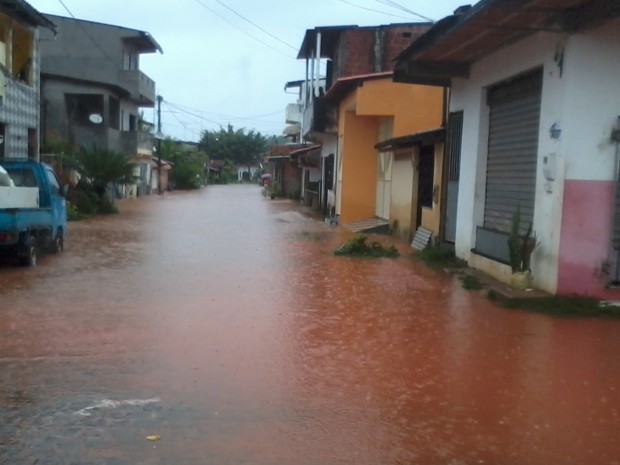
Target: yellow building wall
(359, 166)
(413, 108)
(431, 217)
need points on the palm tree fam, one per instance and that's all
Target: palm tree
(101, 167)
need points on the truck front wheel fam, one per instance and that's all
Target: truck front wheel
(58, 244)
(32, 252)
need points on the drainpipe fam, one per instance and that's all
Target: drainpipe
(306, 89)
(311, 90)
(318, 63)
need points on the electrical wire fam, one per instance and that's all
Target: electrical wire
(85, 31)
(370, 9)
(223, 18)
(193, 113)
(406, 10)
(255, 25)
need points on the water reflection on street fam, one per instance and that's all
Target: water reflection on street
(221, 321)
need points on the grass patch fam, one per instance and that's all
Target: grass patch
(471, 282)
(358, 246)
(440, 256)
(567, 306)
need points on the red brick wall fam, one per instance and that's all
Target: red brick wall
(395, 42)
(355, 53)
(356, 47)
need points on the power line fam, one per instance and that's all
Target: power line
(255, 25)
(370, 9)
(242, 30)
(406, 10)
(193, 111)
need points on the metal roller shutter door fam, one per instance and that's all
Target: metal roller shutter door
(513, 151)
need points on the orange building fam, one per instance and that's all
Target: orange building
(373, 109)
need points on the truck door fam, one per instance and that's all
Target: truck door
(58, 203)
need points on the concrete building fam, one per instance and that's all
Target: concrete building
(332, 53)
(92, 89)
(393, 186)
(535, 106)
(20, 26)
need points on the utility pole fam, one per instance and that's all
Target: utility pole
(159, 136)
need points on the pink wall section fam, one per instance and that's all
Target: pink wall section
(585, 238)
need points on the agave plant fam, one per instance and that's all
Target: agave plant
(520, 247)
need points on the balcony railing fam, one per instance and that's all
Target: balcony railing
(132, 141)
(126, 142)
(141, 88)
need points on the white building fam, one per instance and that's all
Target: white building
(535, 105)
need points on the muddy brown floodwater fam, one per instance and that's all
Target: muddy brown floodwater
(220, 321)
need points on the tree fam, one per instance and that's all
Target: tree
(100, 167)
(243, 148)
(188, 165)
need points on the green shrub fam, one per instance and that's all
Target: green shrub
(440, 256)
(85, 201)
(358, 246)
(73, 214)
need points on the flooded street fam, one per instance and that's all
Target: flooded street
(221, 322)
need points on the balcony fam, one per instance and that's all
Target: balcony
(129, 143)
(319, 117)
(141, 88)
(294, 113)
(133, 142)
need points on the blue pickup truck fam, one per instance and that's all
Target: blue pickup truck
(30, 226)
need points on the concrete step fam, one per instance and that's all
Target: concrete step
(369, 225)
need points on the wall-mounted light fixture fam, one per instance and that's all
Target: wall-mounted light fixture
(555, 132)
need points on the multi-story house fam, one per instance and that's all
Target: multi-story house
(19, 78)
(92, 89)
(331, 54)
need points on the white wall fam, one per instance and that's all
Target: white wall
(470, 96)
(580, 94)
(592, 102)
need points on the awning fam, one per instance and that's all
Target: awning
(452, 44)
(431, 137)
(278, 158)
(305, 150)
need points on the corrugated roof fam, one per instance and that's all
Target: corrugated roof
(22, 10)
(343, 86)
(329, 36)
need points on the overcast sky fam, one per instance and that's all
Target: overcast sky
(228, 60)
